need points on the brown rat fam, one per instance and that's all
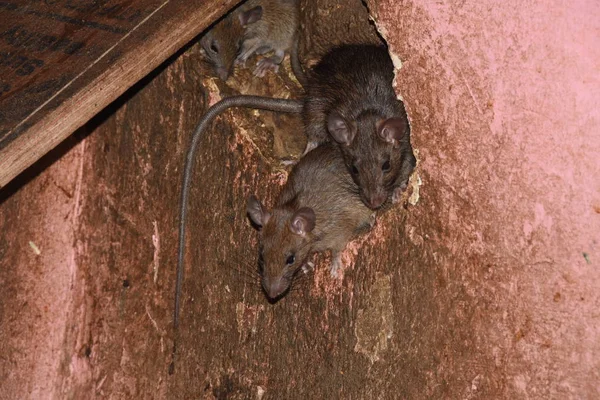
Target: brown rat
(318, 209)
(222, 43)
(271, 25)
(256, 27)
(350, 99)
(263, 103)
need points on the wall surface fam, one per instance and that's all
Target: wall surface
(503, 100)
(484, 284)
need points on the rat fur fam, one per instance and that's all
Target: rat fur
(318, 209)
(350, 100)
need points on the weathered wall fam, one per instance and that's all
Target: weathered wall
(485, 287)
(503, 100)
(88, 316)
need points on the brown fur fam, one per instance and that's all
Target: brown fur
(222, 43)
(273, 32)
(321, 183)
(350, 100)
(233, 39)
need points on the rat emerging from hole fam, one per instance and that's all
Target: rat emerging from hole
(318, 209)
(350, 99)
(256, 102)
(221, 58)
(256, 27)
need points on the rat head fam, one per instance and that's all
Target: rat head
(285, 243)
(222, 43)
(373, 152)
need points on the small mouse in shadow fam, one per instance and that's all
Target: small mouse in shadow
(271, 26)
(350, 100)
(318, 209)
(256, 27)
(222, 43)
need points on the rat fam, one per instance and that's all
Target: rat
(318, 209)
(271, 25)
(222, 43)
(350, 100)
(256, 27)
(256, 102)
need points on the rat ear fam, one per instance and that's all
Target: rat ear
(392, 130)
(251, 16)
(303, 221)
(257, 213)
(339, 129)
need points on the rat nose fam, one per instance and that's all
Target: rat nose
(223, 73)
(377, 200)
(274, 286)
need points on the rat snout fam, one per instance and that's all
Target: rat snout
(376, 200)
(223, 73)
(275, 286)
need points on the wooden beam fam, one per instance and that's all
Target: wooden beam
(61, 63)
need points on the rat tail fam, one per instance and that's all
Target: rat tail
(295, 62)
(258, 102)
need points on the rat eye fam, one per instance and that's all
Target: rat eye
(214, 46)
(290, 260)
(354, 169)
(385, 167)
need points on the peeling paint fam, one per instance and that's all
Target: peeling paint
(156, 255)
(247, 319)
(415, 183)
(375, 324)
(34, 248)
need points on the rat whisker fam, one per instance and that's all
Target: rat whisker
(240, 273)
(248, 278)
(244, 279)
(246, 266)
(300, 285)
(296, 289)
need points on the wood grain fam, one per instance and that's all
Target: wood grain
(61, 63)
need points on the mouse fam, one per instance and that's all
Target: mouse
(256, 27)
(247, 101)
(350, 101)
(318, 209)
(271, 26)
(221, 44)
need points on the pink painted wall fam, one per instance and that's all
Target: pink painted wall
(504, 100)
(43, 312)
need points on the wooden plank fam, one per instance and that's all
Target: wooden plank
(62, 61)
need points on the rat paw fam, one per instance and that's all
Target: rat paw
(287, 162)
(397, 194)
(372, 220)
(264, 65)
(336, 264)
(308, 267)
